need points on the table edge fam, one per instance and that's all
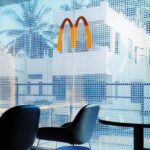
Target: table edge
(114, 123)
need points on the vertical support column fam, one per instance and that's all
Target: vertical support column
(138, 138)
(17, 94)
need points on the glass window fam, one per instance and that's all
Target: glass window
(59, 88)
(130, 46)
(136, 54)
(114, 73)
(35, 76)
(148, 27)
(117, 43)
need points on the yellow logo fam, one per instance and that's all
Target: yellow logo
(73, 33)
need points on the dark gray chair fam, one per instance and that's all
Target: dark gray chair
(18, 127)
(79, 131)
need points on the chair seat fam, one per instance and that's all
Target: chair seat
(54, 134)
(73, 148)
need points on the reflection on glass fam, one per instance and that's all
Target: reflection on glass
(113, 73)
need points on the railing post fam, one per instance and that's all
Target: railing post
(40, 88)
(28, 88)
(17, 94)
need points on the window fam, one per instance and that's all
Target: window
(28, 88)
(130, 46)
(35, 76)
(146, 14)
(100, 33)
(131, 11)
(40, 88)
(94, 3)
(137, 93)
(136, 54)
(100, 37)
(148, 27)
(117, 43)
(59, 87)
(63, 82)
(94, 88)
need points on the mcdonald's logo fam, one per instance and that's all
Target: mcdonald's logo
(73, 33)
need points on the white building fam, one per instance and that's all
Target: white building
(7, 80)
(120, 53)
(132, 49)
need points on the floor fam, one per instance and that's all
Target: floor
(103, 144)
(44, 145)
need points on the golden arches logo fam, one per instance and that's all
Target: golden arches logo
(73, 33)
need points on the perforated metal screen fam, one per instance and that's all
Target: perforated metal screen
(114, 73)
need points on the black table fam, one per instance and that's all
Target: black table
(138, 131)
(73, 148)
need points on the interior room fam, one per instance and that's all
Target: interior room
(64, 58)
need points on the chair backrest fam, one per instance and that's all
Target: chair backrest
(18, 127)
(83, 124)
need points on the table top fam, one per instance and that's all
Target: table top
(124, 118)
(72, 148)
(125, 124)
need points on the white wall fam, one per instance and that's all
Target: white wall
(92, 62)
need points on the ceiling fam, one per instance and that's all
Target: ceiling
(8, 2)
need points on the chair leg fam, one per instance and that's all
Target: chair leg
(90, 145)
(37, 147)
